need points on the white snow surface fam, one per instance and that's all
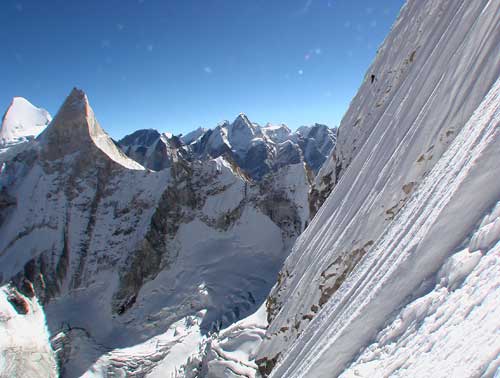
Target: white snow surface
(229, 199)
(161, 356)
(419, 174)
(24, 341)
(453, 331)
(231, 354)
(277, 133)
(22, 122)
(193, 135)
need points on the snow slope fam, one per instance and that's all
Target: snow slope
(431, 227)
(452, 331)
(24, 339)
(412, 180)
(232, 353)
(193, 135)
(22, 121)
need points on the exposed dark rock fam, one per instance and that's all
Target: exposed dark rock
(156, 252)
(145, 137)
(266, 365)
(17, 301)
(340, 268)
(255, 163)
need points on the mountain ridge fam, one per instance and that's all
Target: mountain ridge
(107, 247)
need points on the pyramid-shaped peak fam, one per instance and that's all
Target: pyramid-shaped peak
(242, 119)
(74, 122)
(78, 94)
(76, 103)
(242, 124)
(76, 130)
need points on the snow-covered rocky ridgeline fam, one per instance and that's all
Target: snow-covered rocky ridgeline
(397, 275)
(133, 268)
(257, 150)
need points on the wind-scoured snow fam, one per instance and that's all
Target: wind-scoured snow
(417, 160)
(454, 330)
(144, 273)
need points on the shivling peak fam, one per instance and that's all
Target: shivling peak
(75, 129)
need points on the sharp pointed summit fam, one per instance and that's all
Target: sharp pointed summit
(76, 130)
(242, 120)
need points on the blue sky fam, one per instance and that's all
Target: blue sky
(175, 65)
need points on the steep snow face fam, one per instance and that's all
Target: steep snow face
(277, 133)
(22, 121)
(453, 329)
(416, 145)
(415, 52)
(193, 136)
(24, 340)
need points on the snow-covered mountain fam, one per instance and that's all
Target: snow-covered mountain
(128, 263)
(261, 150)
(153, 150)
(165, 272)
(257, 150)
(397, 273)
(22, 121)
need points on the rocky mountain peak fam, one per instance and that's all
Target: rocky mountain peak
(71, 128)
(242, 121)
(277, 133)
(145, 137)
(76, 130)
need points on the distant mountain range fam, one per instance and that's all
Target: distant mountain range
(254, 251)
